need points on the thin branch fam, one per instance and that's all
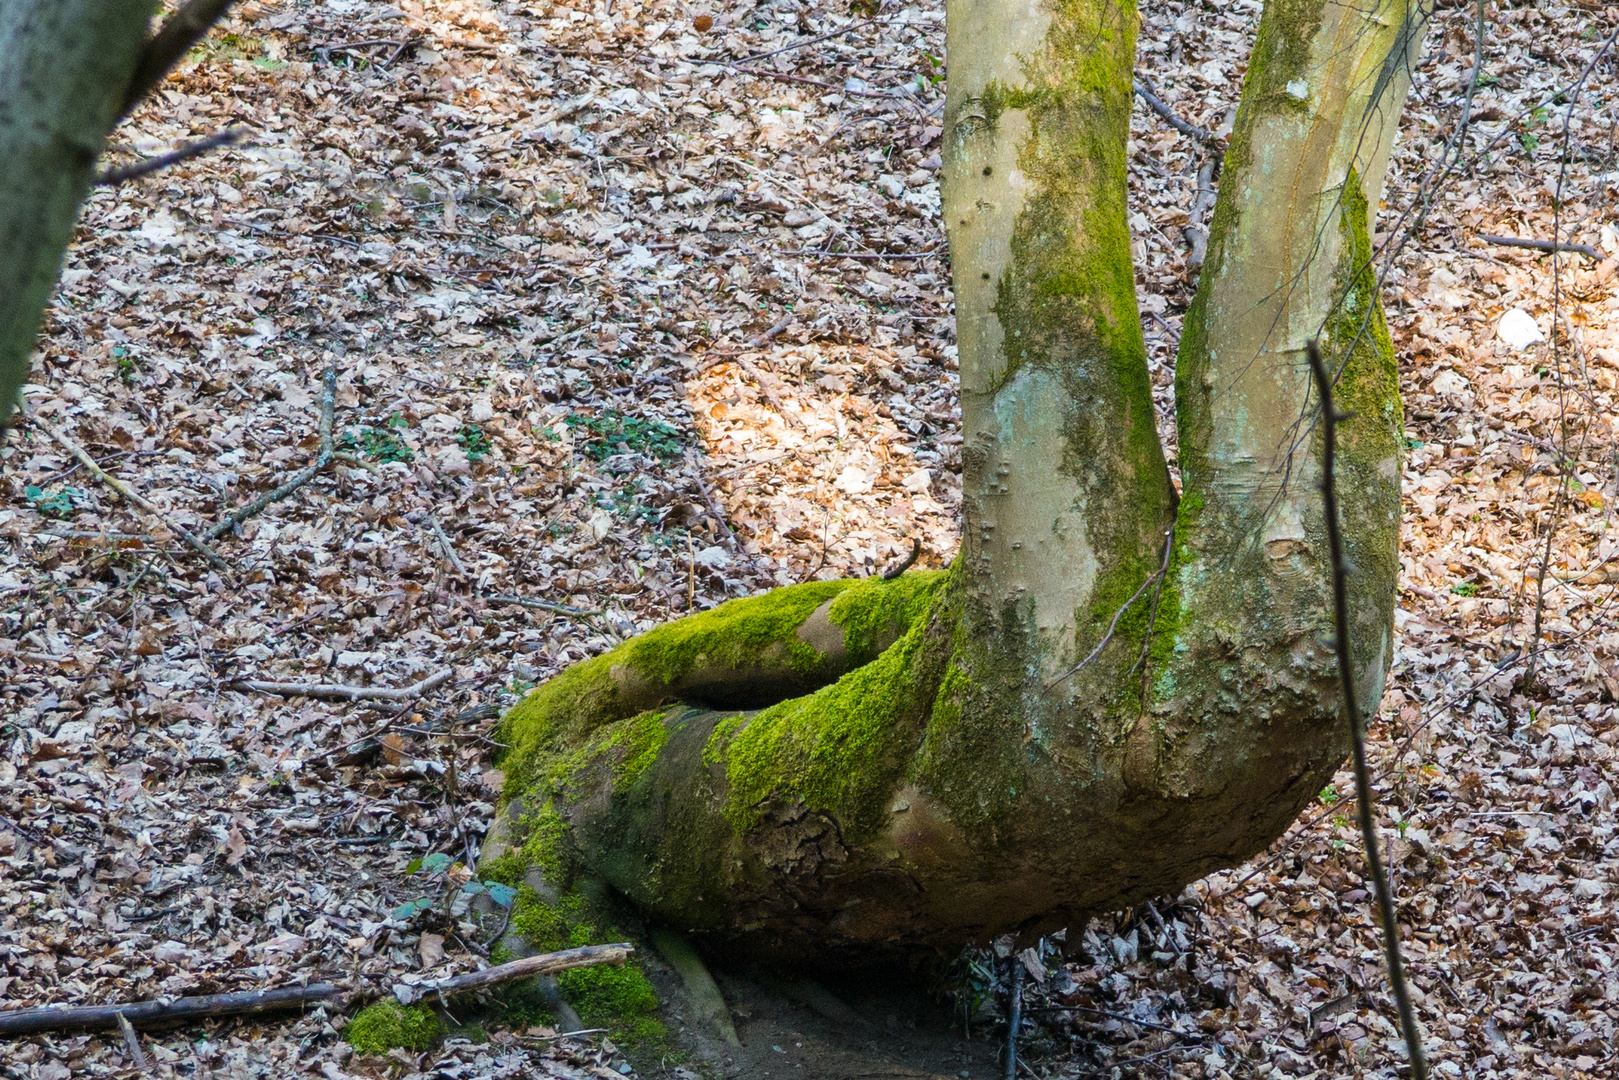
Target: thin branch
(173, 157)
(1346, 673)
(342, 692)
(132, 1042)
(165, 48)
(446, 547)
(1156, 575)
(1541, 245)
(546, 605)
(15, 1022)
(1161, 107)
(328, 407)
(134, 497)
(878, 256)
(895, 571)
(851, 28)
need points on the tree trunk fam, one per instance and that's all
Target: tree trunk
(65, 66)
(1052, 727)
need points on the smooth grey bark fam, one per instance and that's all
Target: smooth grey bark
(65, 67)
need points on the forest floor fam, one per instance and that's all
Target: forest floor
(567, 265)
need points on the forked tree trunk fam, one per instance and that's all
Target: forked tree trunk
(1047, 729)
(65, 66)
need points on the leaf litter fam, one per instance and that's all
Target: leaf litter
(631, 314)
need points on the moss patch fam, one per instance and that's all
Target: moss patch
(842, 748)
(386, 1025)
(620, 999)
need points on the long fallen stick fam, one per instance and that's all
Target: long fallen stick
(133, 496)
(16, 1022)
(1541, 245)
(328, 408)
(344, 692)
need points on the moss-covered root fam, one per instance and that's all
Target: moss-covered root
(745, 654)
(388, 1025)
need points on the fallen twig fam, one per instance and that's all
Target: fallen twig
(872, 255)
(851, 28)
(132, 1042)
(133, 496)
(713, 505)
(16, 1022)
(328, 408)
(542, 964)
(1346, 673)
(1541, 245)
(546, 605)
(173, 157)
(446, 547)
(342, 692)
(1161, 107)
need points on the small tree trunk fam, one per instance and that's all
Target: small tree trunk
(64, 68)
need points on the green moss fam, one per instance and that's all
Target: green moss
(873, 613)
(539, 923)
(734, 634)
(546, 845)
(756, 632)
(842, 748)
(617, 998)
(386, 1025)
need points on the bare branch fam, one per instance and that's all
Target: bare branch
(164, 49)
(15, 1022)
(895, 571)
(1357, 733)
(1541, 245)
(328, 407)
(1161, 107)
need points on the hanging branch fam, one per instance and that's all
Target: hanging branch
(164, 49)
(1363, 784)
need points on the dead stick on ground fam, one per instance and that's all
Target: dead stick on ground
(151, 165)
(1346, 673)
(1541, 245)
(346, 693)
(1161, 107)
(446, 547)
(133, 1042)
(15, 1022)
(133, 496)
(328, 408)
(546, 605)
(895, 571)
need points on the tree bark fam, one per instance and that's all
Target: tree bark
(64, 68)
(1112, 692)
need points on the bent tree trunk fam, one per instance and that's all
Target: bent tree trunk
(65, 67)
(1049, 728)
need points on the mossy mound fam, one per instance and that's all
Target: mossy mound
(386, 1025)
